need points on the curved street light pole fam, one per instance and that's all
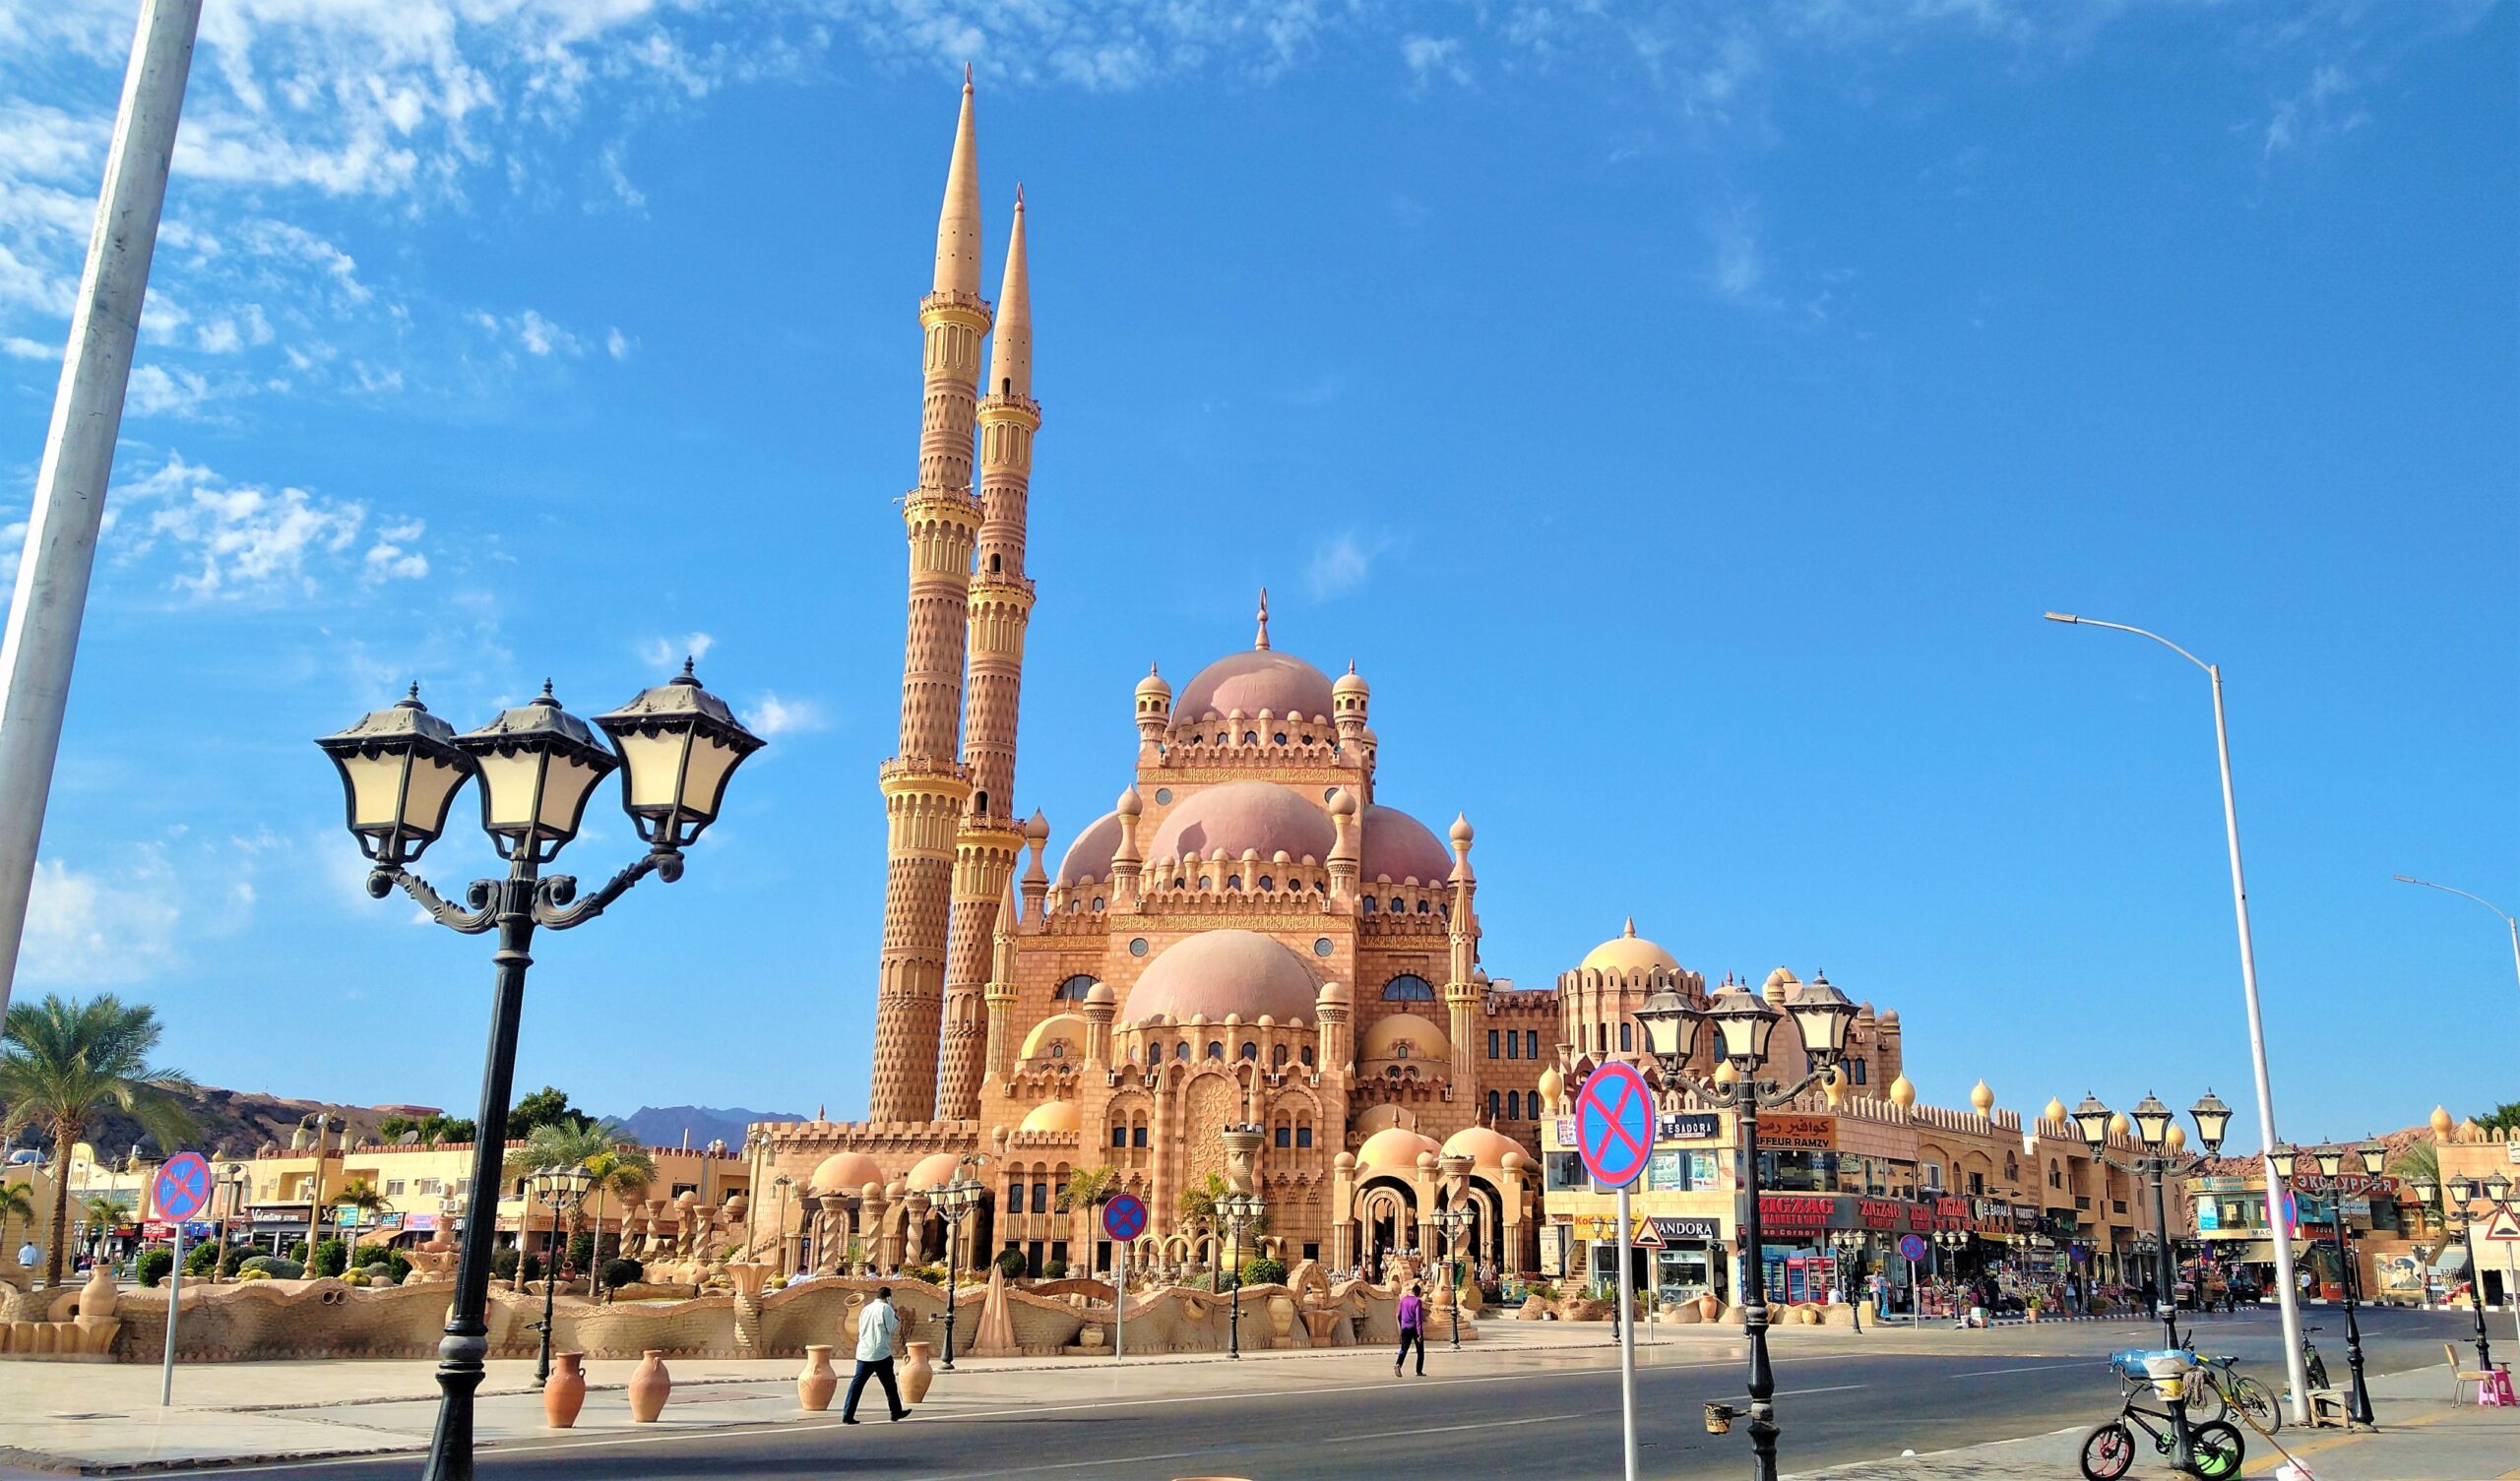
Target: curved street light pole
(2287, 1294)
(2511, 922)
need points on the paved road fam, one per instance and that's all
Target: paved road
(1553, 1414)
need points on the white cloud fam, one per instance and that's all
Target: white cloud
(1432, 58)
(2319, 111)
(618, 344)
(530, 332)
(777, 716)
(1739, 273)
(92, 929)
(233, 541)
(18, 346)
(1340, 564)
(156, 390)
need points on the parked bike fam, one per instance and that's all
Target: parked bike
(2216, 1389)
(2215, 1448)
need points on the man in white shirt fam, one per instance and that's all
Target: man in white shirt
(877, 1326)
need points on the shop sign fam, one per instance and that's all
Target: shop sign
(2348, 1184)
(159, 1228)
(2025, 1220)
(1692, 1125)
(1673, 1229)
(2209, 1214)
(295, 1216)
(1881, 1213)
(1565, 1133)
(1798, 1133)
(1795, 1211)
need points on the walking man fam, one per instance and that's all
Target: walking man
(877, 1326)
(1413, 1329)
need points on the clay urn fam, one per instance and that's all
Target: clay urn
(1281, 1321)
(919, 1371)
(818, 1382)
(649, 1386)
(1708, 1307)
(564, 1393)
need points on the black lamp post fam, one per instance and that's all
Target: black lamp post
(1453, 1221)
(237, 1181)
(2455, 1197)
(558, 1188)
(1743, 1023)
(952, 1202)
(1847, 1245)
(2331, 1161)
(401, 769)
(1239, 1210)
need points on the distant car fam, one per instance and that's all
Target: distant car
(2246, 1291)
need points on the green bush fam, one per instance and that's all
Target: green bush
(272, 1267)
(153, 1265)
(243, 1275)
(1054, 1269)
(234, 1260)
(620, 1272)
(503, 1266)
(1261, 1269)
(932, 1274)
(1010, 1263)
(200, 1258)
(297, 1252)
(584, 1253)
(331, 1258)
(371, 1255)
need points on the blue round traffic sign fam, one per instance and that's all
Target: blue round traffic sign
(1124, 1217)
(1614, 1124)
(181, 1188)
(1913, 1246)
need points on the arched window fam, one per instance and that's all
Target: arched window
(1075, 988)
(1403, 1049)
(1251, 737)
(1181, 1050)
(1216, 1049)
(1119, 1134)
(1234, 881)
(1267, 882)
(1398, 906)
(1408, 987)
(1495, 1105)
(1303, 1135)
(1421, 907)
(1626, 1036)
(1280, 738)
(1369, 904)
(1307, 1056)
(1250, 1051)
(1097, 904)
(1277, 1056)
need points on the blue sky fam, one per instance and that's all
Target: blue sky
(1681, 414)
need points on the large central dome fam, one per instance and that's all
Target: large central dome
(1261, 679)
(1220, 972)
(1235, 815)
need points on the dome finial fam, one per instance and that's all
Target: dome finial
(1261, 642)
(1630, 932)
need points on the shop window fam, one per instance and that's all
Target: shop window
(1977, 1182)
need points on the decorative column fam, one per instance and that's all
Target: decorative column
(1344, 850)
(1001, 991)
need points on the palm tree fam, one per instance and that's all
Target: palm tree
(17, 1200)
(624, 1168)
(1093, 1187)
(63, 1062)
(101, 1214)
(1199, 1210)
(612, 1157)
(358, 1193)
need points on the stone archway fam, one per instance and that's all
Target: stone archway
(1386, 1219)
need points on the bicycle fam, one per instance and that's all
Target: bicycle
(2215, 1389)
(2310, 1358)
(2215, 1448)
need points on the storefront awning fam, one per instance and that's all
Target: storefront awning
(2253, 1252)
(2453, 1262)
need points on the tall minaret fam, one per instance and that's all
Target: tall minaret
(1002, 604)
(926, 788)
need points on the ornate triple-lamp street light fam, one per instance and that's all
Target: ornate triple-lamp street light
(402, 767)
(1455, 1222)
(1846, 1246)
(2456, 1194)
(1239, 1210)
(1743, 1023)
(2368, 1158)
(560, 1190)
(953, 1203)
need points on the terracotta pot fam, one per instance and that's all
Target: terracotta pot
(1708, 1307)
(648, 1387)
(564, 1393)
(816, 1385)
(918, 1371)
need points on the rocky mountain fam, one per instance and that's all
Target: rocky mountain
(233, 1121)
(667, 1126)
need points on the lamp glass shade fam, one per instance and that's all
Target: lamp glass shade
(2152, 1121)
(2091, 1117)
(2463, 1188)
(2423, 1188)
(1823, 1014)
(2213, 1119)
(539, 765)
(400, 774)
(2376, 1155)
(2498, 1187)
(1744, 1020)
(2330, 1159)
(679, 745)
(1670, 1027)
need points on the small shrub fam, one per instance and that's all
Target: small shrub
(200, 1258)
(1263, 1269)
(371, 1255)
(153, 1265)
(1054, 1269)
(332, 1256)
(272, 1267)
(234, 1260)
(584, 1252)
(297, 1252)
(503, 1266)
(932, 1274)
(1010, 1263)
(621, 1273)
(243, 1275)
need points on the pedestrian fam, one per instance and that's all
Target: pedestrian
(878, 1324)
(1413, 1329)
(1981, 1298)
(29, 1255)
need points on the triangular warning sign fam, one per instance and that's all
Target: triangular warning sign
(1644, 1237)
(2503, 1226)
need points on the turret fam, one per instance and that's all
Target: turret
(1345, 854)
(1125, 860)
(1348, 698)
(1154, 712)
(1001, 991)
(1037, 879)
(1462, 989)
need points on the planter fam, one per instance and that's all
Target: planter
(919, 1373)
(818, 1382)
(649, 1386)
(564, 1393)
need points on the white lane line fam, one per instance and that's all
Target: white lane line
(2033, 1368)
(1310, 1440)
(1832, 1389)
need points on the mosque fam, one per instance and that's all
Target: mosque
(1255, 967)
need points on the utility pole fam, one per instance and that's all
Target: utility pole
(43, 637)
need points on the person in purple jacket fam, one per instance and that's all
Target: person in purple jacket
(1413, 1329)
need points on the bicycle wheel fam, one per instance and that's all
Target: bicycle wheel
(2203, 1398)
(2256, 1401)
(2109, 1452)
(2218, 1449)
(2318, 1370)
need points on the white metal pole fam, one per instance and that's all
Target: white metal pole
(1119, 1297)
(1626, 1341)
(174, 1303)
(43, 637)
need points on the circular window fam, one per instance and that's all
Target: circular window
(1321, 947)
(1279, 738)
(1163, 795)
(1137, 946)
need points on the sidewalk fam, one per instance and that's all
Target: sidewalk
(2421, 1438)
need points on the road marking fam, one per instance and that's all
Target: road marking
(1067, 1465)
(2033, 1368)
(1832, 1389)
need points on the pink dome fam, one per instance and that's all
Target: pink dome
(1261, 679)
(1394, 1148)
(935, 1170)
(1221, 972)
(843, 1172)
(1398, 845)
(1091, 852)
(1238, 814)
(1483, 1147)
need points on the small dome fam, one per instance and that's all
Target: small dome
(1982, 1098)
(1152, 685)
(2055, 1110)
(1220, 972)
(1483, 1146)
(1383, 1039)
(1901, 1092)
(1552, 1085)
(1100, 992)
(1335, 994)
(1059, 1028)
(1052, 1116)
(2440, 1121)
(1395, 1149)
(1350, 683)
(1260, 679)
(933, 1171)
(1628, 951)
(2468, 1128)
(1779, 986)
(1090, 856)
(1243, 817)
(2177, 1137)
(1398, 847)
(843, 1172)
(1129, 806)
(2118, 1126)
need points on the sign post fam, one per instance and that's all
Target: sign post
(1913, 1246)
(179, 1190)
(2504, 1230)
(1124, 1221)
(1614, 1135)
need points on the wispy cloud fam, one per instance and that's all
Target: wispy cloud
(1433, 58)
(777, 716)
(223, 540)
(2322, 109)
(1736, 270)
(664, 652)
(1343, 563)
